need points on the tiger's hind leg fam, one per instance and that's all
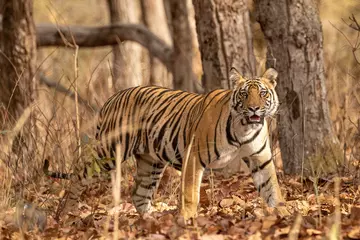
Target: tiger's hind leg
(149, 172)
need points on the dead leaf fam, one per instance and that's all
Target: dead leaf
(295, 183)
(300, 206)
(355, 213)
(157, 236)
(203, 221)
(282, 232)
(255, 226)
(238, 201)
(234, 230)
(256, 236)
(226, 202)
(212, 229)
(312, 231)
(354, 233)
(259, 212)
(268, 221)
(212, 237)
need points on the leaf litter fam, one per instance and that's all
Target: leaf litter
(229, 209)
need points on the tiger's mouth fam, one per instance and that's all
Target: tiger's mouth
(255, 119)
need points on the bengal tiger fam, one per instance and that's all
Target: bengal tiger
(192, 132)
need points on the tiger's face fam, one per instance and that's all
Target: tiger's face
(254, 98)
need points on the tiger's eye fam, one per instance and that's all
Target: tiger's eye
(263, 93)
(243, 94)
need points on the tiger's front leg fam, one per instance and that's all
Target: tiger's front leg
(191, 177)
(264, 175)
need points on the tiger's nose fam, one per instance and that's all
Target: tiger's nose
(254, 109)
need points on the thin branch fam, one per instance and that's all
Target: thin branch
(60, 88)
(354, 23)
(52, 35)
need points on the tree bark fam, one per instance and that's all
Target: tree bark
(18, 62)
(127, 57)
(183, 76)
(115, 18)
(155, 19)
(225, 39)
(295, 48)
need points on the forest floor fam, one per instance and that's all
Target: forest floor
(230, 209)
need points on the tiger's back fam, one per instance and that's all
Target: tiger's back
(148, 120)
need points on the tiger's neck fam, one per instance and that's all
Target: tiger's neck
(242, 130)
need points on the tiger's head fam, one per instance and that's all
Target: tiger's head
(254, 98)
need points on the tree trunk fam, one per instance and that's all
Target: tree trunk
(155, 19)
(114, 12)
(183, 76)
(18, 62)
(295, 48)
(127, 56)
(225, 39)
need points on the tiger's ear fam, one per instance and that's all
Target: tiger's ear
(235, 77)
(271, 75)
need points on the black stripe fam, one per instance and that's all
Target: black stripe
(151, 90)
(260, 150)
(156, 173)
(179, 115)
(215, 135)
(107, 166)
(148, 186)
(157, 116)
(127, 143)
(142, 196)
(263, 185)
(243, 122)
(252, 138)
(208, 148)
(114, 116)
(161, 108)
(164, 156)
(158, 165)
(247, 161)
(142, 175)
(139, 200)
(142, 204)
(268, 197)
(205, 108)
(262, 166)
(135, 109)
(199, 155)
(188, 119)
(159, 139)
(144, 160)
(202, 164)
(177, 166)
(231, 139)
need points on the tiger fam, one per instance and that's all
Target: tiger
(192, 132)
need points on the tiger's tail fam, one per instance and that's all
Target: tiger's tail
(58, 175)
